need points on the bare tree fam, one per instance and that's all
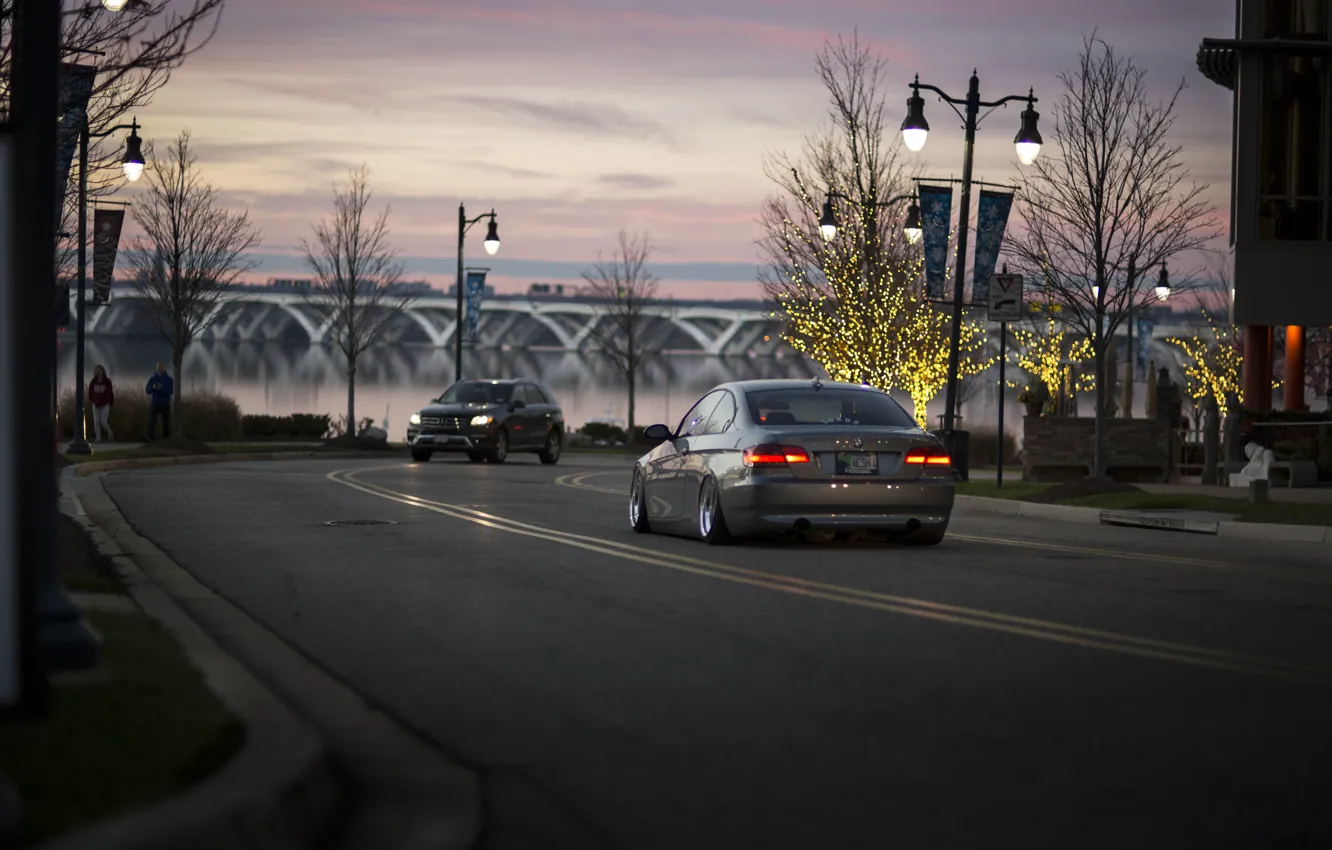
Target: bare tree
(135, 50)
(1113, 197)
(854, 155)
(191, 249)
(624, 286)
(355, 271)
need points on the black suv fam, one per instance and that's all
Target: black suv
(488, 420)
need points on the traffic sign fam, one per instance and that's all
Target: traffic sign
(1006, 298)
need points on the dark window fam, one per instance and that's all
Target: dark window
(478, 392)
(546, 396)
(1295, 19)
(1293, 163)
(828, 406)
(721, 416)
(532, 395)
(697, 418)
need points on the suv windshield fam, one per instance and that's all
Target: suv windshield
(477, 392)
(808, 406)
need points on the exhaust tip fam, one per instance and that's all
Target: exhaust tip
(802, 525)
(913, 524)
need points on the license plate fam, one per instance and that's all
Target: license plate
(857, 463)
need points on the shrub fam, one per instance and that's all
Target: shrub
(304, 426)
(603, 432)
(985, 448)
(204, 415)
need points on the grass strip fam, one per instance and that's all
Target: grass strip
(146, 733)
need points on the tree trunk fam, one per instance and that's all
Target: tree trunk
(177, 420)
(1102, 393)
(351, 396)
(631, 376)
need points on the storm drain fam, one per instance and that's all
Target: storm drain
(360, 522)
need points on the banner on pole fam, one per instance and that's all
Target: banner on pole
(991, 220)
(76, 85)
(1143, 342)
(936, 212)
(475, 291)
(106, 241)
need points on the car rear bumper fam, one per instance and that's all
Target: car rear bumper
(755, 505)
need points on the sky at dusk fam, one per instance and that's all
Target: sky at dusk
(576, 118)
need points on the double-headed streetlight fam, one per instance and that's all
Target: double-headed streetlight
(132, 163)
(912, 228)
(915, 129)
(492, 245)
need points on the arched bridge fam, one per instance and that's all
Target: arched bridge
(506, 323)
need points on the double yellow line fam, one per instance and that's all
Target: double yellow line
(1044, 630)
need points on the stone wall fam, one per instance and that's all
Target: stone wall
(1060, 448)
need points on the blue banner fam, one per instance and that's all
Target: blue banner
(475, 291)
(76, 85)
(1143, 342)
(991, 220)
(936, 215)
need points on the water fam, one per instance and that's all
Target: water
(393, 381)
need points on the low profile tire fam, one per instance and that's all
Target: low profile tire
(711, 521)
(638, 519)
(550, 452)
(421, 455)
(500, 452)
(926, 537)
(476, 457)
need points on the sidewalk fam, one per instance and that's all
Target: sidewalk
(257, 445)
(1321, 495)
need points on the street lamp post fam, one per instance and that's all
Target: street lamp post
(132, 162)
(914, 131)
(491, 244)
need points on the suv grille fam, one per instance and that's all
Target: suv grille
(452, 423)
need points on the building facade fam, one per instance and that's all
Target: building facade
(1279, 67)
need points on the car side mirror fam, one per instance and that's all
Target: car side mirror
(657, 433)
(517, 403)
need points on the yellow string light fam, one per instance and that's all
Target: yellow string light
(1213, 367)
(870, 325)
(1045, 355)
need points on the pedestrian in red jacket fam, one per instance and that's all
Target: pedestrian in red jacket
(100, 397)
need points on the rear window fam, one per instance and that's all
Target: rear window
(827, 406)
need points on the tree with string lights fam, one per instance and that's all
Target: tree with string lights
(1108, 208)
(1046, 353)
(851, 298)
(1212, 367)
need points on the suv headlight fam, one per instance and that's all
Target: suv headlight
(482, 421)
(414, 419)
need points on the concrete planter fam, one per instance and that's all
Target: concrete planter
(1060, 448)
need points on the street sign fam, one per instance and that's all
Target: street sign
(1006, 298)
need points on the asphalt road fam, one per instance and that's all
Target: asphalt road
(1025, 684)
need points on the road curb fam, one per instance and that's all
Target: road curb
(280, 790)
(94, 467)
(1275, 532)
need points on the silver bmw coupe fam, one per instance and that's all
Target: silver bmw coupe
(755, 457)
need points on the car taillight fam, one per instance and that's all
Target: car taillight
(774, 455)
(931, 457)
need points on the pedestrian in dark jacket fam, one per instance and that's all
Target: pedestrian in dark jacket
(160, 387)
(101, 396)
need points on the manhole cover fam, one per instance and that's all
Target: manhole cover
(360, 522)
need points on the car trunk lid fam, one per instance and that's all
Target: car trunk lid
(852, 453)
